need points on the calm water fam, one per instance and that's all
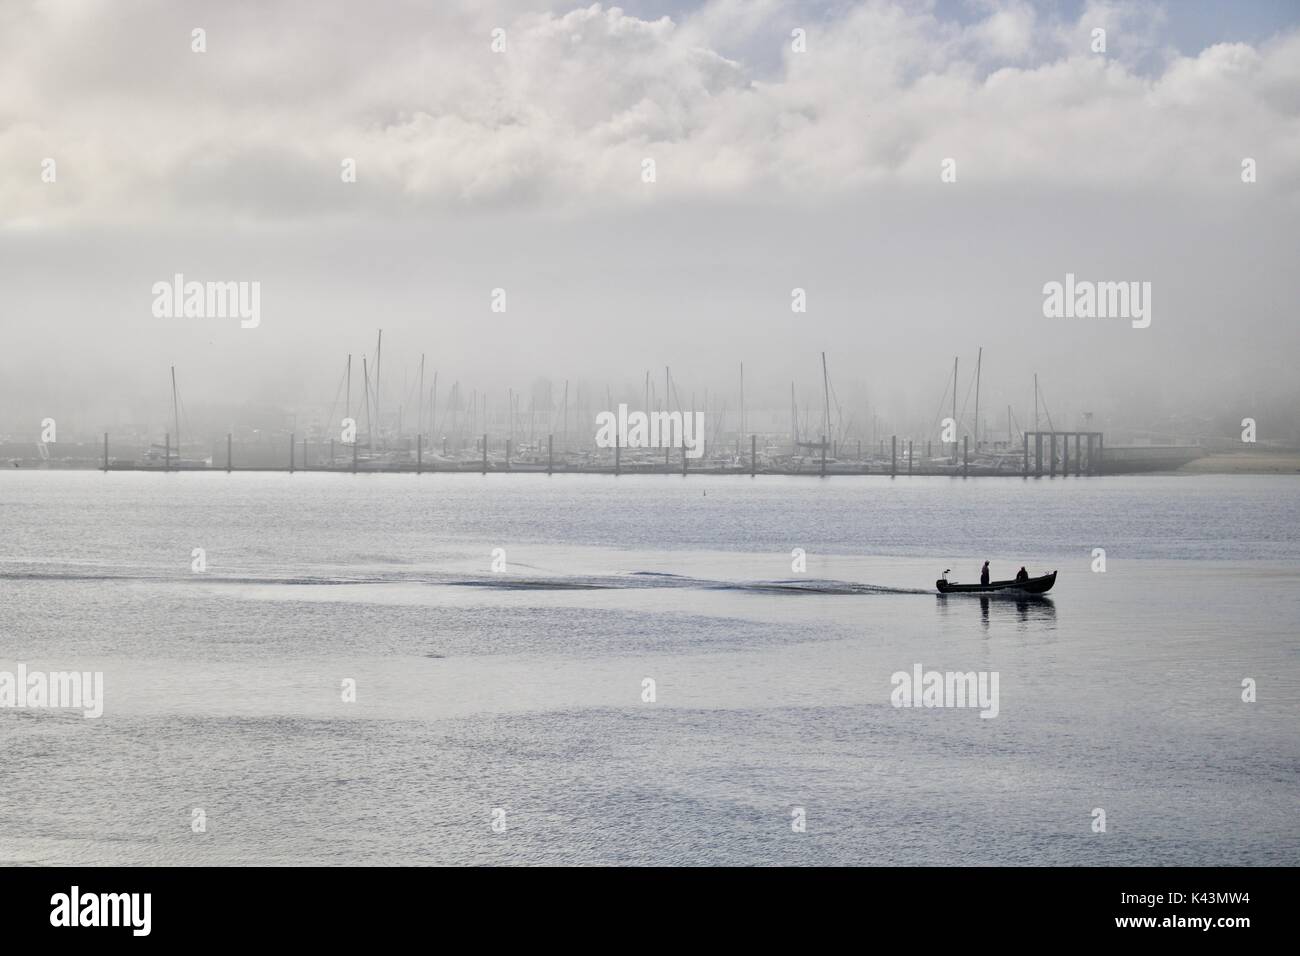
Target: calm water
(522, 690)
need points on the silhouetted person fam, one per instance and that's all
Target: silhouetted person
(1022, 575)
(984, 573)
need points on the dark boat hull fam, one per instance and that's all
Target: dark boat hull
(1039, 585)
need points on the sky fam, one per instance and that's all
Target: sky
(783, 160)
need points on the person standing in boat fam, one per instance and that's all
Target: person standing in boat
(984, 573)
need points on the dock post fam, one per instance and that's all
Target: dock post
(1078, 457)
(893, 456)
(684, 459)
(753, 455)
(965, 456)
(419, 453)
(485, 452)
(1101, 452)
(106, 451)
(1038, 454)
(354, 456)
(550, 453)
(1065, 457)
(909, 457)
(292, 436)
(1052, 457)
(1091, 460)
(1026, 436)
(823, 456)
(618, 458)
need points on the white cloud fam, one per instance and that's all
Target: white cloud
(255, 128)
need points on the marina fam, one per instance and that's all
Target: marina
(668, 436)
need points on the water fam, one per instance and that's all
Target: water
(522, 690)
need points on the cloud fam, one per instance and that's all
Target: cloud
(256, 128)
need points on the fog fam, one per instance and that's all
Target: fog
(772, 174)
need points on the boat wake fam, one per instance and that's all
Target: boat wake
(652, 579)
(634, 580)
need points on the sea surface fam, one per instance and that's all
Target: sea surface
(502, 714)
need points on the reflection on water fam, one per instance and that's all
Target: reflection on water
(1021, 609)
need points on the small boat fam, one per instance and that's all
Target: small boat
(1038, 585)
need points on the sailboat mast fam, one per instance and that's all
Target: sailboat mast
(365, 381)
(419, 415)
(826, 398)
(379, 351)
(954, 408)
(794, 419)
(979, 362)
(742, 398)
(176, 415)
